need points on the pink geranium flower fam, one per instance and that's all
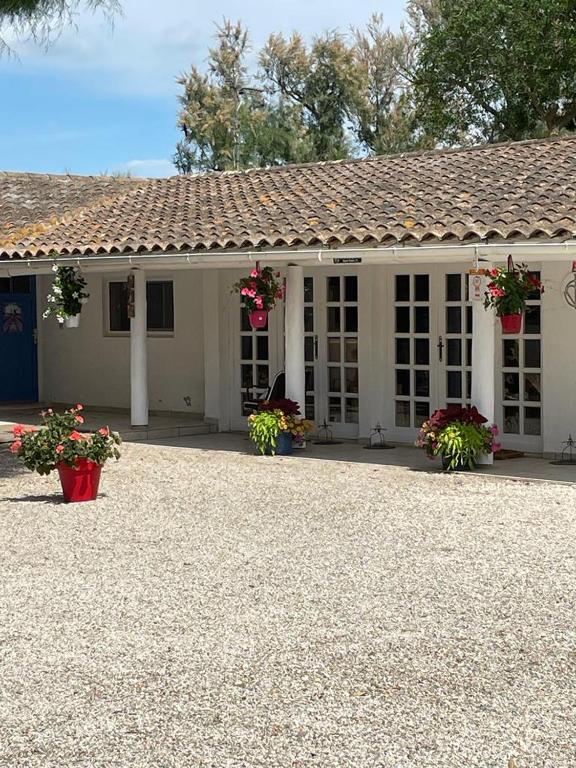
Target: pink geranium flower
(80, 419)
(76, 436)
(16, 445)
(59, 448)
(18, 430)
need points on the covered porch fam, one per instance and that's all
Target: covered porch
(366, 336)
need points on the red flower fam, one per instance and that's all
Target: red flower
(80, 419)
(16, 445)
(104, 431)
(79, 407)
(76, 436)
(59, 448)
(18, 430)
(494, 272)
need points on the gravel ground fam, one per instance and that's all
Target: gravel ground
(229, 611)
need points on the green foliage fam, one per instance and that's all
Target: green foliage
(383, 110)
(508, 291)
(59, 440)
(67, 294)
(228, 121)
(322, 101)
(462, 443)
(43, 18)
(492, 70)
(264, 429)
(260, 289)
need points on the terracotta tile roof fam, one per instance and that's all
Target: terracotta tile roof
(503, 191)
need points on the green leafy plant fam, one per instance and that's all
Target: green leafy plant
(59, 441)
(265, 426)
(459, 435)
(67, 294)
(508, 290)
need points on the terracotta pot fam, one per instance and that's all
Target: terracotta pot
(81, 482)
(258, 318)
(72, 322)
(511, 323)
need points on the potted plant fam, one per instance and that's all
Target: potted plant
(459, 435)
(67, 296)
(276, 425)
(259, 292)
(57, 444)
(508, 290)
(292, 422)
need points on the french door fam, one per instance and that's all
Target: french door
(258, 356)
(432, 345)
(331, 333)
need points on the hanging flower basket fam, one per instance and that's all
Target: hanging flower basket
(259, 293)
(511, 323)
(508, 291)
(67, 296)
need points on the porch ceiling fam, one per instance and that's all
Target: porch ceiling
(513, 191)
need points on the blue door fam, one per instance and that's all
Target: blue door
(18, 360)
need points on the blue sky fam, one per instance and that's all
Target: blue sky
(103, 97)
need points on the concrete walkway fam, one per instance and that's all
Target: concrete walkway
(160, 425)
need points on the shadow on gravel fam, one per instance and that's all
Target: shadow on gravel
(52, 498)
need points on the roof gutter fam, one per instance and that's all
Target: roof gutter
(397, 254)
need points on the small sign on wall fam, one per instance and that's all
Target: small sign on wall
(130, 295)
(476, 284)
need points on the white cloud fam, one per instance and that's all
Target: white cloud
(149, 45)
(151, 167)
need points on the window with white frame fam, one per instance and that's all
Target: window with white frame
(159, 301)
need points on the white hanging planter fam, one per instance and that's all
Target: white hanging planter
(72, 322)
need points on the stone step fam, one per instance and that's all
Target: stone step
(143, 434)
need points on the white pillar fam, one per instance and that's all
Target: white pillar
(211, 319)
(138, 353)
(483, 355)
(294, 335)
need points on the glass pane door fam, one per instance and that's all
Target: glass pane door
(413, 350)
(520, 416)
(331, 351)
(455, 339)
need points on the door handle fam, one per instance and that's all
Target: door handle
(440, 347)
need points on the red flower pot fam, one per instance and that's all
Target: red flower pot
(511, 323)
(258, 318)
(80, 483)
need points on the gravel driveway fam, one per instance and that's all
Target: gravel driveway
(228, 611)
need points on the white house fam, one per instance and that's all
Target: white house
(377, 325)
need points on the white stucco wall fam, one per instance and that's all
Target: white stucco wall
(558, 358)
(86, 364)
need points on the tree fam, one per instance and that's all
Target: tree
(227, 121)
(40, 18)
(322, 81)
(383, 111)
(495, 70)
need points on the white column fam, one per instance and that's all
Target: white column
(211, 319)
(294, 335)
(138, 353)
(483, 355)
